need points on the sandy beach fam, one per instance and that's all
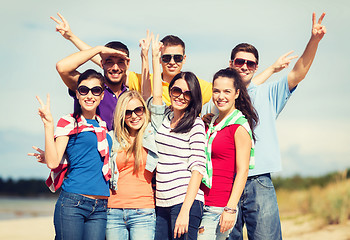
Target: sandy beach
(41, 228)
(38, 228)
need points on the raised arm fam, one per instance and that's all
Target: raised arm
(157, 79)
(303, 64)
(67, 67)
(64, 29)
(54, 149)
(145, 78)
(281, 63)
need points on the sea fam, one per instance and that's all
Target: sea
(17, 207)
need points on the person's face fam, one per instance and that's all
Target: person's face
(89, 94)
(174, 66)
(224, 94)
(134, 115)
(180, 95)
(247, 70)
(114, 69)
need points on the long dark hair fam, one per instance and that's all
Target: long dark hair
(243, 102)
(88, 74)
(194, 107)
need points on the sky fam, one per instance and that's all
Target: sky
(313, 128)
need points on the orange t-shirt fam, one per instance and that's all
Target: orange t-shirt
(134, 190)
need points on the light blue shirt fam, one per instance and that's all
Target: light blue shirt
(269, 100)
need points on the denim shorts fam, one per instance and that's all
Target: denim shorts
(130, 223)
(79, 217)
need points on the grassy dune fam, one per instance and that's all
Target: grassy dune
(330, 203)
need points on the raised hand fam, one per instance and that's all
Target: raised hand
(63, 27)
(106, 51)
(144, 44)
(40, 155)
(318, 30)
(283, 62)
(156, 46)
(44, 111)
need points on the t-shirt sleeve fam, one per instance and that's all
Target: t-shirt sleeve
(206, 89)
(134, 81)
(197, 144)
(279, 94)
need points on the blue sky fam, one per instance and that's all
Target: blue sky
(313, 128)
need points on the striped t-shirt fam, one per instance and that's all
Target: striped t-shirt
(179, 155)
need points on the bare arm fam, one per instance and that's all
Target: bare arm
(303, 64)
(54, 149)
(243, 144)
(281, 63)
(181, 225)
(157, 79)
(64, 29)
(67, 67)
(145, 78)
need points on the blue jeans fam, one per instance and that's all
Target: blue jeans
(166, 219)
(80, 217)
(210, 224)
(258, 209)
(133, 224)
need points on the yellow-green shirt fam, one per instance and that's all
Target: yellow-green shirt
(134, 82)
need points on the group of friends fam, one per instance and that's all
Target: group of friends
(139, 159)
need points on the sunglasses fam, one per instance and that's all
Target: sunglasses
(166, 58)
(138, 111)
(239, 62)
(176, 92)
(84, 90)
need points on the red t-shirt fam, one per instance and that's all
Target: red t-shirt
(223, 157)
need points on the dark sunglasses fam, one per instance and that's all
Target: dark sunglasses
(176, 92)
(84, 90)
(138, 111)
(239, 62)
(177, 58)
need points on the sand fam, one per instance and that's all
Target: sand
(38, 228)
(41, 228)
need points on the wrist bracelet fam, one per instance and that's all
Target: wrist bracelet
(230, 210)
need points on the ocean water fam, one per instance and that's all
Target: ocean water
(16, 207)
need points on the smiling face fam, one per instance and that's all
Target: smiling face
(224, 95)
(170, 69)
(246, 73)
(89, 102)
(137, 119)
(180, 102)
(114, 69)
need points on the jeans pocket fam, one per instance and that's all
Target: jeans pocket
(265, 182)
(69, 202)
(108, 211)
(201, 207)
(145, 211)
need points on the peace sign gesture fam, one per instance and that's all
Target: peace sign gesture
(144, 44)
(156, 46)
(318, 30)
(44, 111)
(63, 27)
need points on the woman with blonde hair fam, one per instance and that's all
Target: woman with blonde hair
(131, 207)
